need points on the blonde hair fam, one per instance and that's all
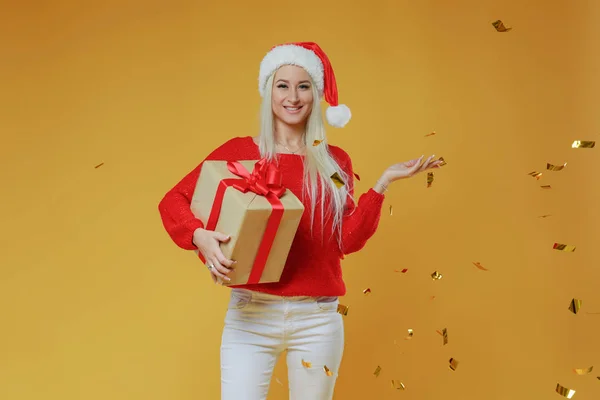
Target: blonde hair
(319, 165)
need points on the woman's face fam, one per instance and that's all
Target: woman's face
(292, 96)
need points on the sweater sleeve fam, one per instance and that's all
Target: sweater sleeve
(362, 219)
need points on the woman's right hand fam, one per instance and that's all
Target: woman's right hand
(209, 244)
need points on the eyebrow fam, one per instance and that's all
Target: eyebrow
(283, 80)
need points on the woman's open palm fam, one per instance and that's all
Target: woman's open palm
(409, 168)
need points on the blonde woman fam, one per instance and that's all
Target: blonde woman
(298, 314)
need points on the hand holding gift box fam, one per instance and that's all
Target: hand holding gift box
(254, 208)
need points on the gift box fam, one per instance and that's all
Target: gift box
(245, 199)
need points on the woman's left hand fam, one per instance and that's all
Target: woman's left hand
(408, 168)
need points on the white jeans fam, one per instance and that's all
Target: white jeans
(259, 327)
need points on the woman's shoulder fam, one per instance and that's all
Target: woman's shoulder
(339, 154)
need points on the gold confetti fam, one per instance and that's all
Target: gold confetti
(564, 392)
(535, 174)
(327, 371)
(545, 216)
(499, 25)
(553, 167)
(432, 298)
(429, 179)
(356, 176)
(367, 291)
(436, 275)
(582, 144)
(453, 364)
(563, 247)
(317, 142)
(403, 271)
(546, 187)
(442, 161)
(481, 267)
(377, 371)
(391, 210)
(398, 385)
(444, 334)
(306, 364)
(99, 165)
(575, 306)
(410, 335)
(337, 180)
(430, 134)
(583, 371)
(342, 309)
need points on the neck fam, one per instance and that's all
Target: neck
(289, 135)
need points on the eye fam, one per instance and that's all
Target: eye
(304, 86)
(282, 85)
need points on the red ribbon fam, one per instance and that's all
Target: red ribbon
(265, 180)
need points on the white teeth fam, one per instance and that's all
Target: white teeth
(292, 108)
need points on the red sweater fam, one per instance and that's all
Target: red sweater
(313, 264)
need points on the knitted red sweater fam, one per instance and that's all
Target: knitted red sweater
(313, 264)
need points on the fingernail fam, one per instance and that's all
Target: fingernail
(235, 262)
(229, 279)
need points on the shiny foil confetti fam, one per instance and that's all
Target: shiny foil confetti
(377, 371)
(356, 176)
(582, 144)
(453, 364)
(403, 271)
(430, 134)
(327, 371)
(317, 142)
(535, 174)
(436, 275)
(410, 335)
(367, 291)
(391, 210)
(337, 180)
(432, 298)
(546, 187)
(552, 167)
(398, 385)
(442, 161)
(575, 305)
(429, 179)
(545, 216)
(444, 334)
(306, 364)
(99, 165)
(565, 392)
(481, 267)
(499, 25)
(342, 309)
(563, 247)
(583, 371)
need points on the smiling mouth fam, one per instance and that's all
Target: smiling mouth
(293, 109)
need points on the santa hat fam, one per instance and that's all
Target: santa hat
(309, 56)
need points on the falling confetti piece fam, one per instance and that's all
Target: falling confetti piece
(403, 271)
(430, 134)
(499, 25)
(545, 216)
(453, 364)
(582, 144)
(481, 267)
(356, 176)
(327, 371)
(575, 306)
(546, 187)
(342, 309)
(442, 161)
(306, 364)
(377, 371)
(410, 335)
(563, 247)
(432, 298)
(367, 291)
(583, 371)
(99, 165)
(398, 385)
(553, 167)
(391, 210)
(564, 392)
(337, 180)
(444, 334)
(535, 174)
(429, 179)
(317, 142)
(436, 275)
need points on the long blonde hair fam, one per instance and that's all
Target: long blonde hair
(319, 165)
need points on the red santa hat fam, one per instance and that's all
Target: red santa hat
(309, 56)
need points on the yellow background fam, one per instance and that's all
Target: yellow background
(97, 302)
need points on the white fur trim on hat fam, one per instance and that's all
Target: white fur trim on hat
(338, 116)
(291, 55)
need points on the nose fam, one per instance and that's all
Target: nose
(293, 96)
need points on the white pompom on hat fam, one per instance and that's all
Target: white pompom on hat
(309, 56)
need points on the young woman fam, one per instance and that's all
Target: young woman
(298, 314)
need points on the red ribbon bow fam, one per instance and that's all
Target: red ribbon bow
(265, 178)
